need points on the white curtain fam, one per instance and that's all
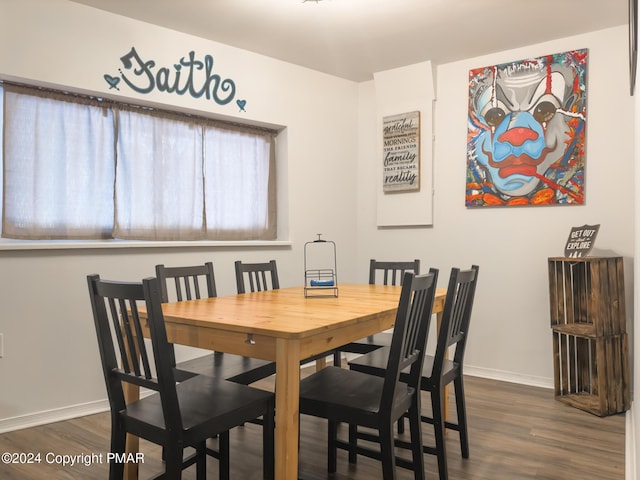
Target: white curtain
(82, 168)
(159, 181)
(237, 193)
(58, 167)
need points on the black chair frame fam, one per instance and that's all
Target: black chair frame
(186, 278)
(438, 370)
(258, 275)
(342, 395)
(195, 282)
(178, 415)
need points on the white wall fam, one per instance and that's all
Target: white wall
(51, 359)
(398, 91)
(511, 337)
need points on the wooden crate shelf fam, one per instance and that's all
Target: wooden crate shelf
(590, 343)
(576, 329)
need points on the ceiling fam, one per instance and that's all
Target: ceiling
(355, 38)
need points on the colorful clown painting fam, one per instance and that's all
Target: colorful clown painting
(526, 131)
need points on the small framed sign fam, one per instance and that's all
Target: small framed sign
(580, 241)
(401, 152)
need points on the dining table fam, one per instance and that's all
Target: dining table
(282, 325)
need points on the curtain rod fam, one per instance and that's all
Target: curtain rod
(117, 103)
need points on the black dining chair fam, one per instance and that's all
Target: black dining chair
(392, 273)
(259, 276)
(377, 402)
(439, 370)
(385, 273)
(187, 282)
(179, 414)
(181, 283)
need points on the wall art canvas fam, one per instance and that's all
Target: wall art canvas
(526, 132)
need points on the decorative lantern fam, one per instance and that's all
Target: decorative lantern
(320, 277)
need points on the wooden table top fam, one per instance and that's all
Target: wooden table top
(286, 312)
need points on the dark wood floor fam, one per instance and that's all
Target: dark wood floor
(517, 433)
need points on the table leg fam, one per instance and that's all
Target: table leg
(287, 405)
(321, 363)
(131, 393)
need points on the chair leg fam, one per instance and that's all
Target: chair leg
(332, 448)
(387, 452)
(438, 431)
(268, 449)
(201, 461)
(173, 464)
(118, 445)
(353, 443)
(223, 452)
(415, 427)
(401, 425)
(461, 410)
(337, 358)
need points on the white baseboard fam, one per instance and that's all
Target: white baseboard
(55, 415)
(99, 406)
(511, 377)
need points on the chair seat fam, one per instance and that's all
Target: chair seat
(347, 395)
(236, 368)
(205, 403)
(368, 344)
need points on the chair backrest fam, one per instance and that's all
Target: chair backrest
(410, 333)
(259, 275)
(392, 272)
(123, 350)
(456, 317)
(188, 282)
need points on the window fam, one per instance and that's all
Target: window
(85, 168)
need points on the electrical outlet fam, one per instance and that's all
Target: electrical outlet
(1, 345)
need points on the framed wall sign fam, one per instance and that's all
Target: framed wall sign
(401, 152)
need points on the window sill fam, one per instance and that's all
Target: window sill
(8, 244)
